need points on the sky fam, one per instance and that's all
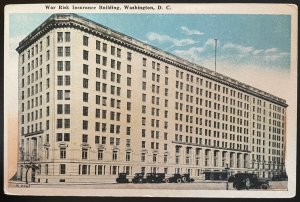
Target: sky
(262, 40)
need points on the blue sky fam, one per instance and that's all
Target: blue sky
(261, 40)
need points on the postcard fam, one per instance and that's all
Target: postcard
(167, 100)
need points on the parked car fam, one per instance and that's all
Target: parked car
(160, 177)
(150, 177)
(155, 177)
(231, 178)
(187, 178)
(139, 178)
(249, 181)
(281, 177)
(122, 178)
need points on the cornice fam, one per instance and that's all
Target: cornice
(83, 24)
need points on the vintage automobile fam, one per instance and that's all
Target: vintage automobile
(176, 178)
(122, 178)
(155, 177)
(249, 181)
(280, 177)
(139, 178)
(187, 178)
(150, 177)
(160, 177)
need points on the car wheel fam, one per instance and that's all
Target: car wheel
(264, 186)
(184, 179)
(167, 181)
(178, 180)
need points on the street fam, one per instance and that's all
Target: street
(203, 185)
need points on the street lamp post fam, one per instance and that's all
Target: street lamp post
(227, 173)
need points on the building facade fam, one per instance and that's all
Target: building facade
(94, 102)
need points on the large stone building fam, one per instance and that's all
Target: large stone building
(94, 102)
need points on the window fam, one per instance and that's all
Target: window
(84, 138)
(67, 36)
(97, 45)
(62, 169)
(129, 56)
(85, 83)
(129, 69)
(100, 155)
(98, 59)
(67, 123)
(60, 66)
(128, 93)
(48, 55)
(85, 69)
(113, 50)
(85, 111)
(85, 97)
(67, 137)
(128, 81)
(85, 125)
(115, 155)
(59, 80)
(84, 153)
(104, 61)
(98, 72)
(62, 153)
(67, 94)
(144, 62)
(85, 55)
(85, 40)
(59, 123)
(59, 137)
(59, 109)
(128, 155)
(59, 51)
(60, 37)
(48, 41)
(128, 130)
(67, 80)
(104, 47)
(154, 158)
(143, 157)
(67, 65)
(67, 51)
(118, 52)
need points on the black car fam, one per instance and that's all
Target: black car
(150, 177)
(249, 181)
(160, 177)
(187, 178)
(122, 178)
(176, 178)
(282, 177)
(139, 178)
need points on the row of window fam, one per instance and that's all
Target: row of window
(35, 49)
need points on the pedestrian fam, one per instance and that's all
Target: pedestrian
(247, 183)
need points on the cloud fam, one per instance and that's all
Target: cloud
(198, 54)
(234, 54)
(271, 50)
(238, 48)
(152, 36)
(189, 32)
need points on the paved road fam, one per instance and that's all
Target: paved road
(168, 186)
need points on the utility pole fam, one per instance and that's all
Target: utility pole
(216, 42)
